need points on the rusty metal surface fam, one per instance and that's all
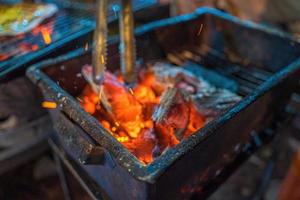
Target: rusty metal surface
(200, 158)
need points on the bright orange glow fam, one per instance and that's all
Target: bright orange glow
(34, 47)
(3, 56)
(49, 105)
(46, 35)
(130, 120)
(123, 139)
(45, 31)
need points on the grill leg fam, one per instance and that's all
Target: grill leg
(63, 179)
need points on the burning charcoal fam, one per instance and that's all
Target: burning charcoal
(117, 101)
(172, 76)
(196, 121)
(167, 100)
(125, 108)
(89, 100)
(208, 99)
(165, 105)
(173, 113)
(143, 145)
(165, 136)
(216, 102)
(166, 73)
(88, 75)
(146, 96)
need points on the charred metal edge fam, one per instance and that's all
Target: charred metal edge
(220, 14)
(152, 171)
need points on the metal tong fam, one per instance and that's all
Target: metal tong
(127, 42)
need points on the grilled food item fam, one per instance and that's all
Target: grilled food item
(23, 17)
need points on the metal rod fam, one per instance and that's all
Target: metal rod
(127, 43)
(62, 177)
(100, 41)
(70, 166)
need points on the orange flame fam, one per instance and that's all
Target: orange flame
(45, 31)
(130, 120)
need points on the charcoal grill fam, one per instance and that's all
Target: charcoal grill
(262, 63)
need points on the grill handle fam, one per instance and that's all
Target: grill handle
(76, 142)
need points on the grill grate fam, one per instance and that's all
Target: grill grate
(247, 79)
(55, 28)
(90, 5)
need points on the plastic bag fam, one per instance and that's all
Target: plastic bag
(21, 18)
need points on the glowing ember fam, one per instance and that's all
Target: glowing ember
(45, 31)
(46, 35)
(49, 105)
(152, 116)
